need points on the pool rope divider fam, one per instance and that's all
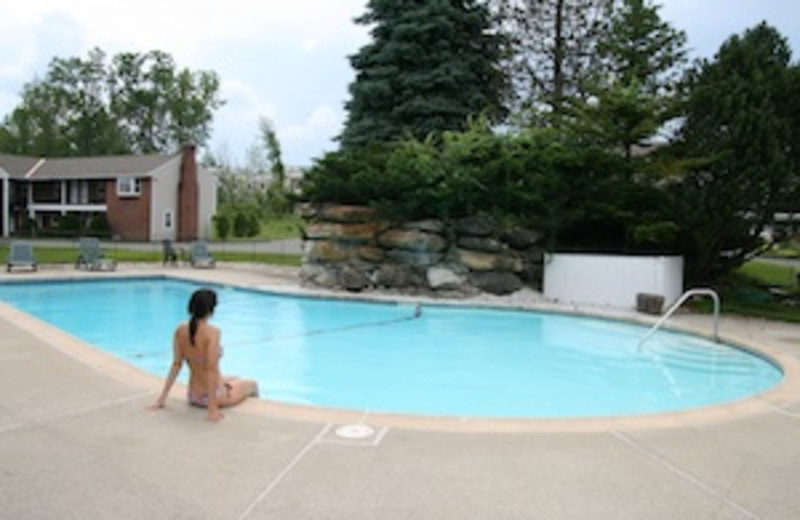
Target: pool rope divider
(382, 323)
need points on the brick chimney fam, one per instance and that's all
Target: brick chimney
(188, 195)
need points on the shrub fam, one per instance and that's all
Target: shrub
(69, 224)
(581, 197)
(347, 177)
(29, 227)
(277, 201)
(222, 225)
(456, 175)
(241, 225)
(99, 226)
(253, 224)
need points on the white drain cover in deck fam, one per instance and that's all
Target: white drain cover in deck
(355, 431)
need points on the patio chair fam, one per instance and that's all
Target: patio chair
(170, 254)
(20, 254)
(91, 257)
(200, 256)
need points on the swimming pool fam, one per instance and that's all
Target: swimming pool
(451, 361)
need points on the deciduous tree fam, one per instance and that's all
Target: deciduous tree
(139, 103)
(642, 49)
(554, 50)
(634, 90)
(277, 197)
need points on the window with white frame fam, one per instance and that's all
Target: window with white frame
(128, 187)
(168, 219)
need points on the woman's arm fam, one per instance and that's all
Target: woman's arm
(174, 370)
(212, 376)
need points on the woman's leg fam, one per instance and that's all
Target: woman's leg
(238, 391)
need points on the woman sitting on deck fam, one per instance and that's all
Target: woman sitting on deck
(197, 343)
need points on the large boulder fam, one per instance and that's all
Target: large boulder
(489, 245)
(328, 251)
(496, 282)
(532, 267)
(478, 226)
(372, 254)
(442, 277)
(415, 258)
(394, 276)
(307, 210)
(430, 225)
(318, 275)
(353, 278)
(412, 240)
(346, 214)
(480, 261)
(520, 238)
(350, 232)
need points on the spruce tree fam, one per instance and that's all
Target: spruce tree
(430, 66)
(741, 130)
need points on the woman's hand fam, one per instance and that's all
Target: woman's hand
(215, 415)
(158, 405)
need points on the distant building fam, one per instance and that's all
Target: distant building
(142, 197)
(260, 182)
(294, 176)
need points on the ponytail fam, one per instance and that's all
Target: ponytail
(192, 329)
(201, 304)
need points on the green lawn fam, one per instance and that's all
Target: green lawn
(274, 228)
(787, 249)
(281, 228)
(768, 273)
(762, 289)
(68, 255)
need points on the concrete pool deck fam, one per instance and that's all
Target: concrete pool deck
(76, 441)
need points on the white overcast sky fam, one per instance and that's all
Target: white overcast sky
(284, 60)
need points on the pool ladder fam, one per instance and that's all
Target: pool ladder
(685, 296)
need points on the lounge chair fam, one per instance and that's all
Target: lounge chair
(170, 254)
(91, 257)
(200, 256)
(20, 254)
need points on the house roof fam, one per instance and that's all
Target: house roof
(17, 166)
(106, 167)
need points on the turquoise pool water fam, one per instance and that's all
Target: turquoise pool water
(451, 361)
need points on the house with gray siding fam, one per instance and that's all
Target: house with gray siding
(142, 197)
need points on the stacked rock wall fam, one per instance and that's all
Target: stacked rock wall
(349, 247)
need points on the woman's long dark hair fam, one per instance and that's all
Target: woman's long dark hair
(201, 304)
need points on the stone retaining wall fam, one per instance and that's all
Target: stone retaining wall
(350, 248)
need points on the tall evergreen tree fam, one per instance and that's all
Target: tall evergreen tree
(741, 131)
(430, 66)
(791, 193)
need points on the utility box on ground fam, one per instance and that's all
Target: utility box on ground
(649, 303)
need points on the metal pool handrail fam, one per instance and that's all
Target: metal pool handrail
(688, 294)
